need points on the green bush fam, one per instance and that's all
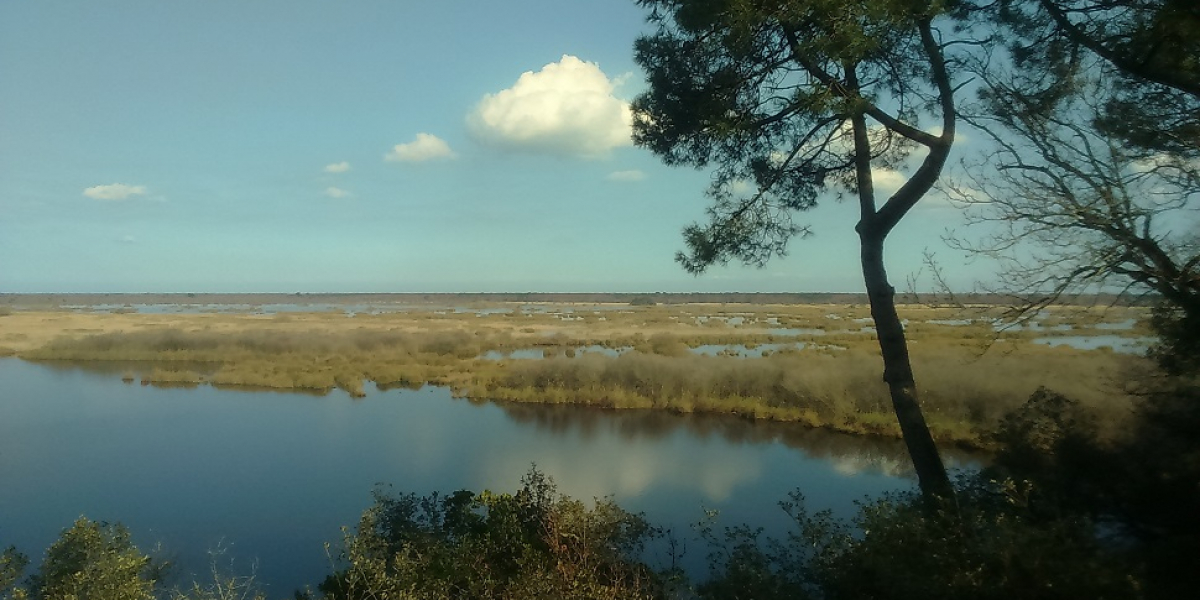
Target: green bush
(531, 544)
(12, 567)
(95, 561)
(900, 547)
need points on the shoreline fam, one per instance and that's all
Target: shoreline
(816, 365)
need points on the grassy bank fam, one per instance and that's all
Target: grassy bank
(963, 395)
(823, 371)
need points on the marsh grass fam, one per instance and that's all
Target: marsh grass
(964, 396)
(212, 346)
(968, 374)
(273, 359)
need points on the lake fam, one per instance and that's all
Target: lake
(273, 476)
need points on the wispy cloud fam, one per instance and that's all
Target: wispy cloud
(626, 176)
(425, 147)
(338, 167)
(336, 192)
(114, 191)
(566, 108)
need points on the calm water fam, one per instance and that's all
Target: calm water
(273, 476)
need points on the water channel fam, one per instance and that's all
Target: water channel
(273, 476)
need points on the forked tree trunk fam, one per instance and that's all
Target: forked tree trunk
(873, 228)
(897, 371)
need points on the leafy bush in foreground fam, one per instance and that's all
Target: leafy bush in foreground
(899, 547)
(531, 544)
(539, 544)
(89, 561)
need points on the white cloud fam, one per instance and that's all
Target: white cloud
(741, 188)
(959, 136)
(339, 167)
(334, 192)
(114, 191)
(568, 107)
(128, 239)
(626, 176)
(424, 147)
(1165, 162)
(887, 181)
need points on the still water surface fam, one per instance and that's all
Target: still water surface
(273, 476)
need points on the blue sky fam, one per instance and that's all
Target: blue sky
(367, 146)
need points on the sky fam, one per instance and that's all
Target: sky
(367, 146)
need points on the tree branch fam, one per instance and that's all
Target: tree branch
(869, 108)
(931, 168)
(1133, 68)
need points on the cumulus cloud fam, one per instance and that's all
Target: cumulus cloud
(334, 192)
(424, 147)
(114, 191)
(626, 176)
(338, 167)
(567, 107)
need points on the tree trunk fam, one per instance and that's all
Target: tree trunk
(897, 370)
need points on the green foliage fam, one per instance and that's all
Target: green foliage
(95, 561)
(765, 92)
(1143, 480)
(990, 542)
(1178, 327)
(744, 563)
(1140, 483)
(12, 568)
(1149, 48)
(1052, 442)
(984, 547)
(98, 561)
(531, 544)
(1156, 487)
(899, 546)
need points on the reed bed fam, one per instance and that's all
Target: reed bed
(964, 396)
(968, 374)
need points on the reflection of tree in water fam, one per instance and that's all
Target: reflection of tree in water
(850, 454)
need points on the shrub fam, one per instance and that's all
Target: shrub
(900, 547)
(12, 567)
(531, 544)
(95, 561)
